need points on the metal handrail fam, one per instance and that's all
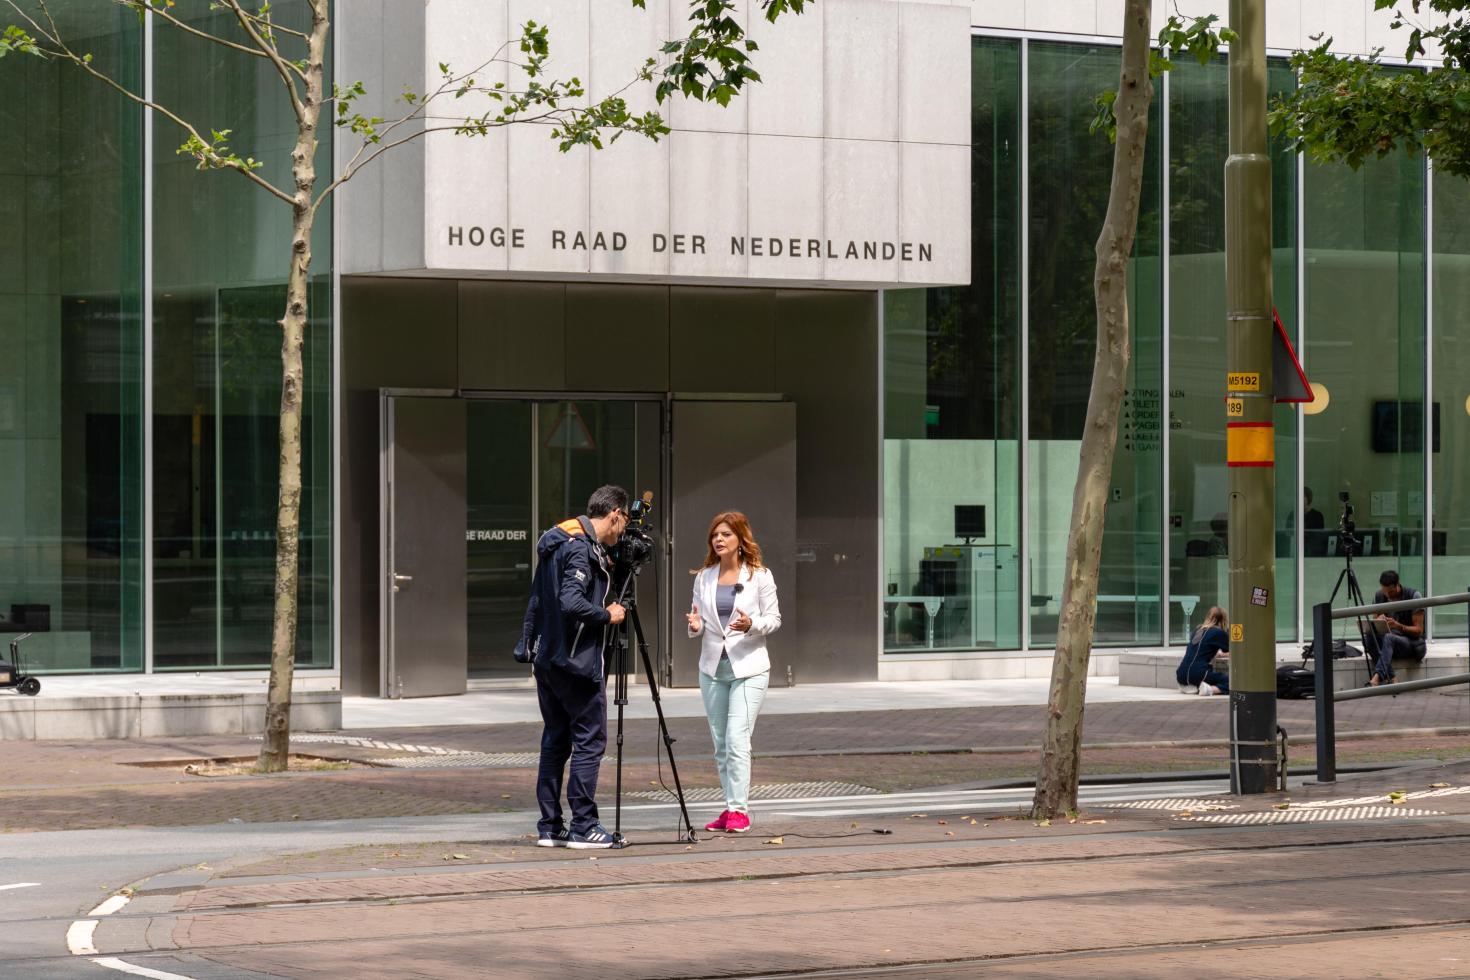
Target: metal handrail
(1322, 616)
(1399, 605)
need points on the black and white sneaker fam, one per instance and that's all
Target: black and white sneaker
(554, 838)
(595, 836)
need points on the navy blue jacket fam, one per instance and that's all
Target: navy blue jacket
(1200, 655)
(566, 619)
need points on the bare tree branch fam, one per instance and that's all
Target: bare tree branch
(53, 36)
(142, 6)
(288, 71)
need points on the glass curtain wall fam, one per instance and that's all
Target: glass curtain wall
(951, 423)
(1069, 171)
(1365, 344)
(1199, 145)
(1449, 539)
(221, 247)
(70, 328)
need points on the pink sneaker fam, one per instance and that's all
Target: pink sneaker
(736, 823)
(720, 822)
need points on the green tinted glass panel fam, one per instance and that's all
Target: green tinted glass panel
(1199, 146)
(1449, 542)
(70, 329)
(1070, 172)
(221, 250)
(952, 408)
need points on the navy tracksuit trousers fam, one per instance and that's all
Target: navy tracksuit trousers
(574, 712)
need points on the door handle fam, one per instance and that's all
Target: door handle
(521, 566)
(400, 578)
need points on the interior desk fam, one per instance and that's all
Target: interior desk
(931, 603)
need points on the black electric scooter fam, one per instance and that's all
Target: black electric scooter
(14, 674)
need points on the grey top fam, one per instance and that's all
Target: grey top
(725, 604)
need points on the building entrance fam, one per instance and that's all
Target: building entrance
(469, 485)
(530, 465)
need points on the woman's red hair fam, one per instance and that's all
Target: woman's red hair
(750, 551)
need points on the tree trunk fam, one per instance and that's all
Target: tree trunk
(1056, 784)
(277, 744)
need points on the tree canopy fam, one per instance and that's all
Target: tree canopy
(1352, 109)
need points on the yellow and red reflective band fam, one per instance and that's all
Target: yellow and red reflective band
(1250, 444)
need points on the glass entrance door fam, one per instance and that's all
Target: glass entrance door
(529, 466)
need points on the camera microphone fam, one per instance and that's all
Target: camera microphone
(739, 588)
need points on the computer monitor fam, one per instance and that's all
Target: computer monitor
(969, 521)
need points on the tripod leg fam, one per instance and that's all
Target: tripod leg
(1365, 626)
(663, 725)
(620, 697)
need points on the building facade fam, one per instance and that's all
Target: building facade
(856, 304)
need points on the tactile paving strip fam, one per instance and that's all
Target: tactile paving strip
(462, 760)
(772, 791)
(1311, 816)
(1173, 804)
(368, 743)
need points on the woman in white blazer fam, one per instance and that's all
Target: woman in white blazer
(733, 611)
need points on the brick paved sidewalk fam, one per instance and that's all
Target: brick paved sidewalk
(1140, 885)
(1187, 719)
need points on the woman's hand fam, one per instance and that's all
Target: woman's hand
(695, 623)
(740, 622)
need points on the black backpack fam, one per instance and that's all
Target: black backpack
(1295, 682)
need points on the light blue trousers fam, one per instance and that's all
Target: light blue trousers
(732, 704)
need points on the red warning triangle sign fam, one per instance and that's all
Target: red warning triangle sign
(1288, 380)
(570, 431)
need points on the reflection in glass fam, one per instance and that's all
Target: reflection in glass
(1070, 171)
(952, 409)
(71, 517)
(1365, 341)
(1449, 540)
(220, 256)
(501, 536)
(1199, 146)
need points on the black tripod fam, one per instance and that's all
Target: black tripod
(1349, 542)
(617, 661)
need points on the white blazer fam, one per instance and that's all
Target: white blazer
(757, 599)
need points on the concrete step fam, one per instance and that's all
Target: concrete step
(145, 714)
(1156, 669)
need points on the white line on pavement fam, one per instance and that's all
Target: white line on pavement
(20, 884)
(110, 906)
(79, 937)
(112, 963)
(79, 941)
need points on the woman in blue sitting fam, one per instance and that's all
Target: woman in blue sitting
(1195, 673)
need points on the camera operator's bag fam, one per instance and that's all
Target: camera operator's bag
(1341, 650)
(1295, 682)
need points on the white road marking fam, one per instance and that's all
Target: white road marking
(79, 941)
(20, 884)
(79, 937)
(110, 906)
(113, 963)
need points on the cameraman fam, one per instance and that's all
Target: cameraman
(1405, 636)
(563, 633)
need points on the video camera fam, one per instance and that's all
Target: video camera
(636, 545)
(1347, 527)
